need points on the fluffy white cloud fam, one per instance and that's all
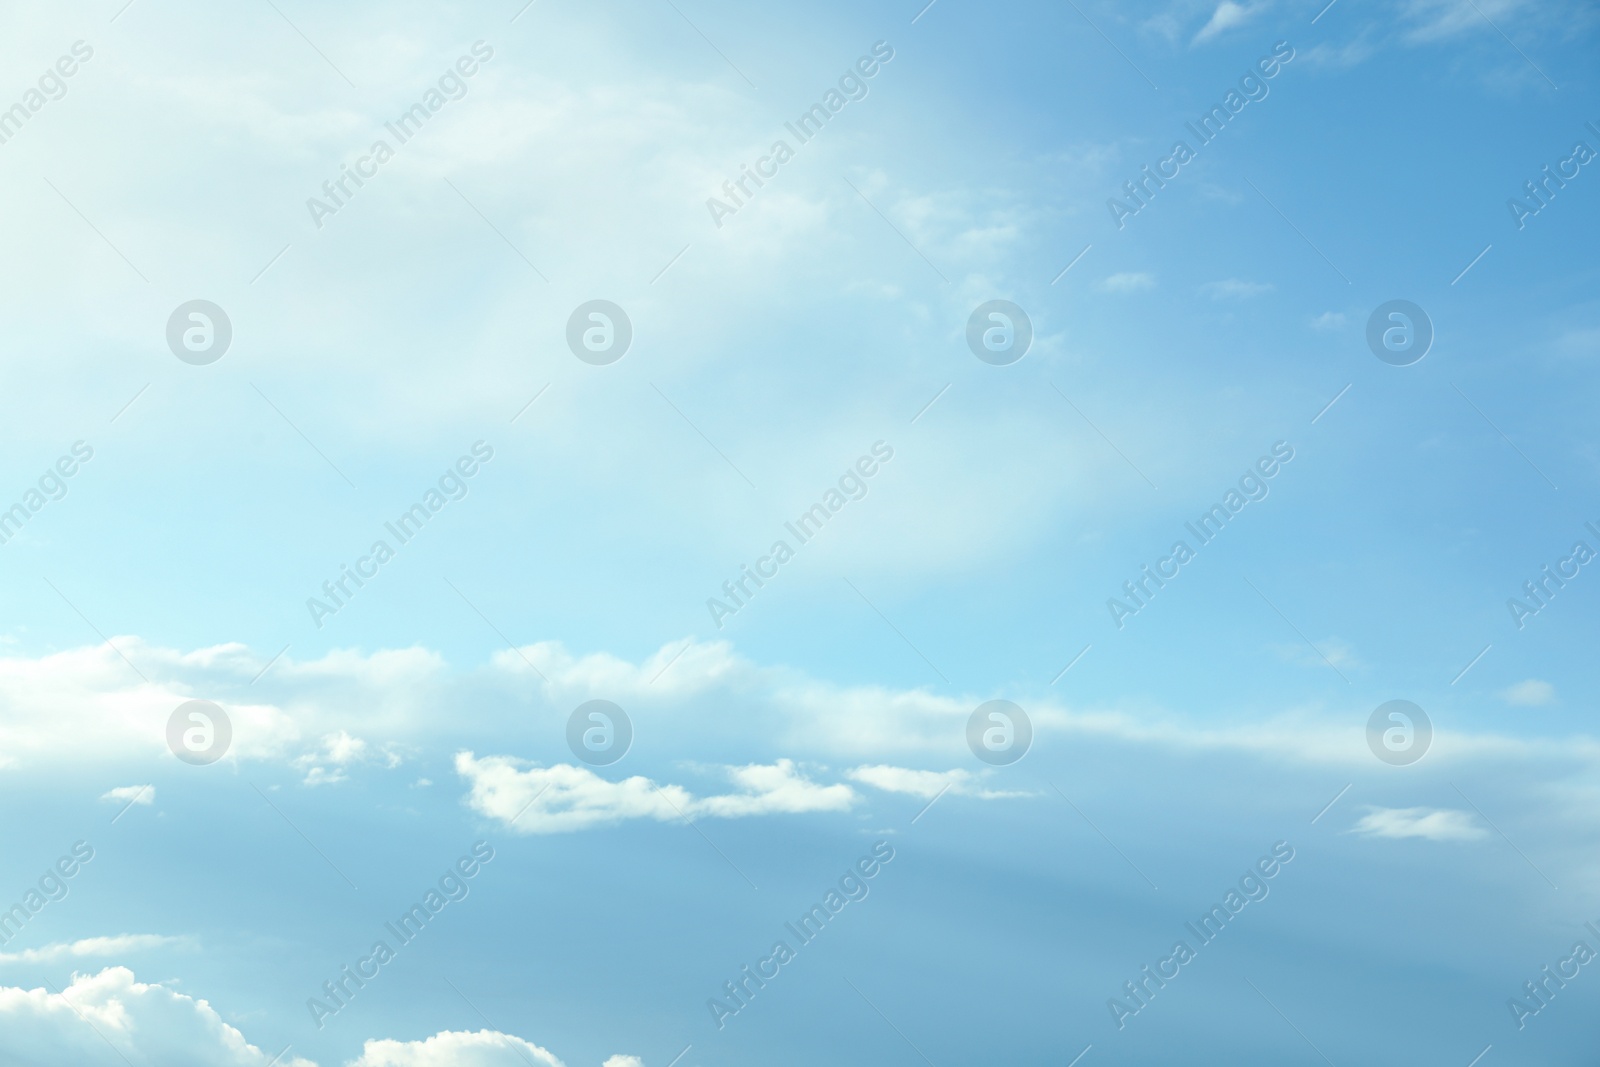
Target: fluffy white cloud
(484, 1048)
(1432, 824)
(533, 799)
(684, 667)
(111, 1019)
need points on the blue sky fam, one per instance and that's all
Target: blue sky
(820, 325)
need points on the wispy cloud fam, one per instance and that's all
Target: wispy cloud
(926, 784)
(1127, 282)
(1532, 693)
(1228, 15)
(118, 945)
(1431, 824)
(1235, 289)
(131, 794)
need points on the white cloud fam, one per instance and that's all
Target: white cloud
(1227, 16)
(1434, 20)
(131, 794)
(1432, 824)
(1328, 320)
(1529, 694)
(326, 765)
(925, 784)
(1127, 282)
(91, 946)
(683, 667)
(111, 1019)
(85, 704)
(1235, 289)
(566, 797)
(485, 1048)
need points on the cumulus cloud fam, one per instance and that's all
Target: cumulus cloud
(91, 946)
(327, 763)
(111, 1019)
(1431, 824)
(1328, 320)
(564, 797)
(1529, 694)
(485, 1048)
(683, 667)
